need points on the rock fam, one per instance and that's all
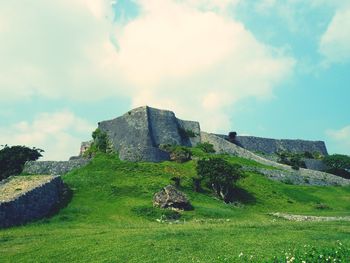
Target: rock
(137, 134)
(170, 197)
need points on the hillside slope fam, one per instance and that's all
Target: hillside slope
(111, 218)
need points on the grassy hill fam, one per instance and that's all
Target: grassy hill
(111, 219)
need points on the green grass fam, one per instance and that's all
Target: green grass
(111, 219)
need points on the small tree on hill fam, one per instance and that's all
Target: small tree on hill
(12, 159)
(220, 176)
(338, 164)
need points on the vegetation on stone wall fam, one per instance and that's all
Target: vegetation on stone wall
(295, 160)
(100, 144)
(206, 147)
(12, 159)
(177, 153)
(186, 133)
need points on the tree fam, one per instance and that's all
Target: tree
(12, 159)
(338, 164)
(100, 140)
(220, 176)
(337, 161)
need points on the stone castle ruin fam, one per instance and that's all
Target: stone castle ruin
(137, 135)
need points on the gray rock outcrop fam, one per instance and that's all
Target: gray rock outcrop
(136, 135)
(170, 197)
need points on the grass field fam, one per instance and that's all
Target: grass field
(111, 219)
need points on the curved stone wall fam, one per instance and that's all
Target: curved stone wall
(33, 204)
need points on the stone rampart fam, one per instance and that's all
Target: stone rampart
(137, 135)
(30, 204)
(53, 167)
(270, 146)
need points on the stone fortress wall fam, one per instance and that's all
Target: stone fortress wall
(137, 135)
(270, 146)
(35, 203)
(54, 167)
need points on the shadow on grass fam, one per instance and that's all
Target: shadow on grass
(66, 195)
(243, 196)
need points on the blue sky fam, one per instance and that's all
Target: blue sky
(269, 68)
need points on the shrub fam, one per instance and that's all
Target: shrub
(186, 133)
(337, 161)
(338, 164)
(177, 153)
(100, 143)
(12, 159)
(206, 147)
(292, 159)
(220, 176)
(180, 154)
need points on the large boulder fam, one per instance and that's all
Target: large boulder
(170, 197)
(137, 134)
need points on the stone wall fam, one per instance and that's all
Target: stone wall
(136, 135)
(31, 205)
(283, 172)
(53, 167)
(270, 146)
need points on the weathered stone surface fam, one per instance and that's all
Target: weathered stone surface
(53, 167)
(37, 200)
(284, 173)
(316, 165)
(142, 154)
(269, 146)
(144, 129)
(170, 197)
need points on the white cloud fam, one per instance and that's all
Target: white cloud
(341, 139)
(180, 57)
(335, 42)
(188, 56)
(59, 134)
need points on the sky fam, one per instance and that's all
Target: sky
(269, 68)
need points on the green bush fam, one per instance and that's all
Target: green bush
(100, 143)
(12, 159)
(206, 147)
(295, 160)
(220, 176)
(337, 161)
(185, 133)
(177, 153)
(338, 164)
